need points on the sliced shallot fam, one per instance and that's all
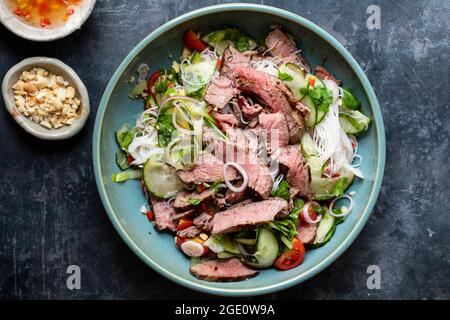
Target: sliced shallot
(305, 213)
(346, 212)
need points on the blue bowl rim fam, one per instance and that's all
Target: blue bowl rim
(341, 248)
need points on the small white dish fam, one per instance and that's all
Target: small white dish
(53, 66)
(26, 31)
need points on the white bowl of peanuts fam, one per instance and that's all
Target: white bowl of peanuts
(46, 98)
(44, 20)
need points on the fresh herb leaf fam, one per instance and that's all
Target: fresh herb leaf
(161, 85)
(194, 201)
(349, 100)
(284, 76)
(339, 188)
(282, 191)
(165, 127)
(287, 227)
(122, 160)
(321, 97)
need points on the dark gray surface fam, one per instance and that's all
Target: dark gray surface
(51, 215)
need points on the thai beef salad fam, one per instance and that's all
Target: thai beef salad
(243, 152)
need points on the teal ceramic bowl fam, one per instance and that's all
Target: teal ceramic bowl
(123, 201)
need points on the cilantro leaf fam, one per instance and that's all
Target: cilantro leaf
(321, 97)
(339, 188)
(194, 201)
(284, 76)
(282, 191)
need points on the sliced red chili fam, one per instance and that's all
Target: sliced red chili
(150, 215)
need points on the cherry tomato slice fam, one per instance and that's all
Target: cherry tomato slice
(291, 258)
(151, 81)
(192, 41)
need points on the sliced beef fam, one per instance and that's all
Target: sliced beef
(246, 216)
(226, 121)
(307, 232)
(189, 232)
(222, 270)
(271, 91)
(251, 111)
(276, 129)
(230, 198)
(283, 46)
(259, 178)
(242, 147)
(207, 169)
(220, 92)
(297, 171)
(181, 202)
(163, 213)
(323, 74)
(203, 219)
(181, 215)
(232, 59)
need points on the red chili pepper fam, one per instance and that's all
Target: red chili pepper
(192, 41)
(151, 81)
(18, 11)
(203, 206)
(45, 22)
(311, 81)
(200, 188)
(219, 64)
(150, 215)
(130, 159)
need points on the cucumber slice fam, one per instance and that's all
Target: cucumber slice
(311, 120)
(325, 231)
(267, 249)
(308, 146)
(353, 121)
(249, 242)
(225, 255)
(298, 79)
(229, 245)
(323, 187)
(197, 75)
(161, 180)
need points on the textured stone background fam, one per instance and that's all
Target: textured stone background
(51, 215)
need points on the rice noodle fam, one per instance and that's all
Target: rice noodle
(143, 147)
(266, 65)
(243, 173)
(333, 144)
